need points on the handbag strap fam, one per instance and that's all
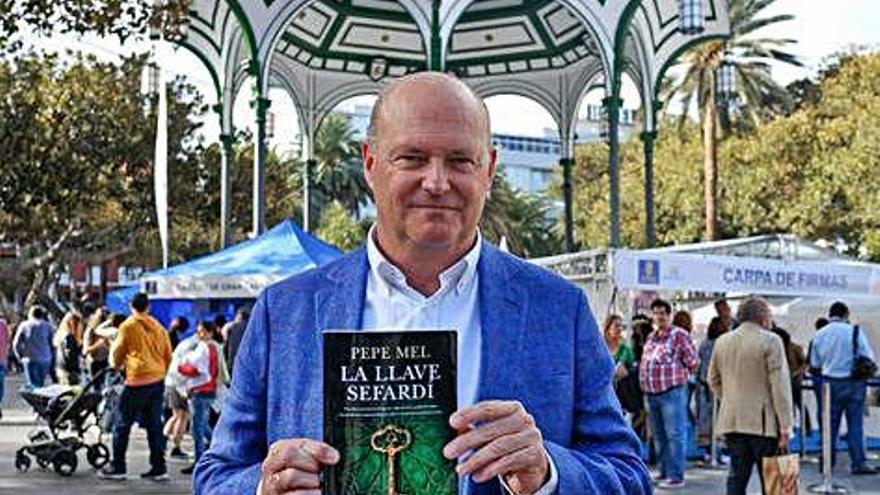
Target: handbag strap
(855, 341)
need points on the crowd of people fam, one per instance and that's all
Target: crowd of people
(668, 385)
(172, 381)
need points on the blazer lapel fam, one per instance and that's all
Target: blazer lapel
(340, 305)
(503, 303)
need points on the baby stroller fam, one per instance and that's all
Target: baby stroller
(70, 412)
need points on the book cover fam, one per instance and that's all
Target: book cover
(387, 401)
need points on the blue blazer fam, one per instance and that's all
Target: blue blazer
(540, 345)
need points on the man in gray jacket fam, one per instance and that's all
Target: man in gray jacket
(749, 374)
(33, 346)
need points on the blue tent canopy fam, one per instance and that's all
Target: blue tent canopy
(218, 283)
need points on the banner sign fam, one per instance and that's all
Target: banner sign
(710, 273)
(209, 287)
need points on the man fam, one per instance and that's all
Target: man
(722, 309)
(539, 412)
(668, 360)
(33, 346)
(832, 353)
(749, 375)
(143, 350)
(232, 334)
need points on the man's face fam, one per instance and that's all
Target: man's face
(430, 168)
(660, 317)
(723, 309)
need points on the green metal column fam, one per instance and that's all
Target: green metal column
(612, 108)
(226, 154)
(436, 62)
(566, 163)
(310, 166)
(648, 139)
(261, 106)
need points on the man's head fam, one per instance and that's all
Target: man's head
(37, 313)
(820, 323)
(205, 330)
(243, 313)
(429, 161)
(722, 308)
(755, 310)
(140, 303)
(839, 310)
(661, 310)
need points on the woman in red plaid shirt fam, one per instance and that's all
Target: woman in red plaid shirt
(668, 359)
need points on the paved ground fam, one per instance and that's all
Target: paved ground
(17, 422)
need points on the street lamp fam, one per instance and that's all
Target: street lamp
(725, 76)
(270, 125)
(152, 70)
(690, 17)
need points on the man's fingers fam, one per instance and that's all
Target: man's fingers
(487, 432)
(292, 479)
(484, 412)
(519, 460)
(302, 454)
(498, 449)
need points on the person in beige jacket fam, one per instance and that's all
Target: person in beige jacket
(749, 374)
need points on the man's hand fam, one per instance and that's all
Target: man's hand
(292, 466)
(506, 442)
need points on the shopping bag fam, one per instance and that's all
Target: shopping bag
(781, 474)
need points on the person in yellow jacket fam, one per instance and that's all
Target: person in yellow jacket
(143, 350)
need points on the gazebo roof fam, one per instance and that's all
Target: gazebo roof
(553, 51)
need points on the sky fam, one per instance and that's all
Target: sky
(820, 28)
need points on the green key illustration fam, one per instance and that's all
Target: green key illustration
(390, 441)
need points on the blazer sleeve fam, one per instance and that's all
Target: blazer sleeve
(238, 446)
(603, 457)
(715, 373)
(780, 383)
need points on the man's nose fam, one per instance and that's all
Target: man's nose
(436, 177)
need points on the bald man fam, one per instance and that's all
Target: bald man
(537, 411)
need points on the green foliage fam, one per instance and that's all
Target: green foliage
(338, 174)
(527, 221)
(814, 173)
(339, 228)
(119, 18)
(677, 183)
(76, 147)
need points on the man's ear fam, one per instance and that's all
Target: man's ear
(369, 159)
(492, 166)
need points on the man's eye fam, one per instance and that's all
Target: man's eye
(462, 163)
(408, 160)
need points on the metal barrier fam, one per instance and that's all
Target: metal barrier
(827, 485)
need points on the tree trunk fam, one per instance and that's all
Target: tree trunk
(710, 162)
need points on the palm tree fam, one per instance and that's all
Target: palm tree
(757, 97)
(338, 174)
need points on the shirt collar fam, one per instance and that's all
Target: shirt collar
(457, 277)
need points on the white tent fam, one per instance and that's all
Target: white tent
(800, 279)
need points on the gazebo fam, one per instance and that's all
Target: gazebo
(322, 52)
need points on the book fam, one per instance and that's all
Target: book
(388, 396)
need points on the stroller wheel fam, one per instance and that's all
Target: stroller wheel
(43, 462)
(22, 462)
(64, 462)
(97, 455)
